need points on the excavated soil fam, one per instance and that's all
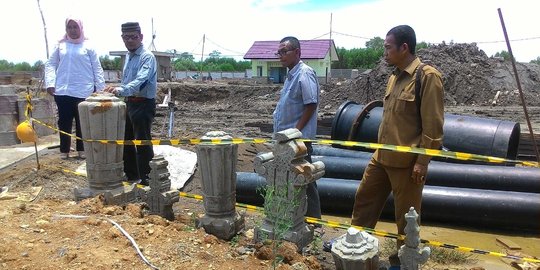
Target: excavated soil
(41, 234)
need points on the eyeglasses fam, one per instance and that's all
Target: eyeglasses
(128, 37)
(282, 53)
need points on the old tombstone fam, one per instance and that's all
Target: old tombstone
(287, 173)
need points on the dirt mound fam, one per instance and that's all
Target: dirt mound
(236, 95)
(470, 78)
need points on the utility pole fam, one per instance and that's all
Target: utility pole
(152, 46)
(44, 29)
(523, 103)
(329, 68)
(202, 54)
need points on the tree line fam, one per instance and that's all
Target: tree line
(357, 58)
(182, 62)
(186, 62)
(365, 58)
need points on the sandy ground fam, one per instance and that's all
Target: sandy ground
(36, 234)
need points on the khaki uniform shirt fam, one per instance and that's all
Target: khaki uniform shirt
(402, 124)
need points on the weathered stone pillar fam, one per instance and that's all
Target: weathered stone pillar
(103, 117)
(410, 254)
(217, 165)
(287, 173)
(356, 250)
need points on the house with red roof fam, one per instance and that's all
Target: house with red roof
(265, 65)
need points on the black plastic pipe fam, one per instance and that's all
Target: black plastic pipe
(458, 206)
(467, 134)
(320, 150)
(519, 179)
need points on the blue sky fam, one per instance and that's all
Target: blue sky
(320, 5)
(232, 26)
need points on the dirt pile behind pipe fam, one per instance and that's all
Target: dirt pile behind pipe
(470, 78)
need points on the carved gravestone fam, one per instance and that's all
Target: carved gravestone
(160, 197)
(287, 174)
(410, 255)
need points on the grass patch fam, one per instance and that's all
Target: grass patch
(438, 255)
(450, 256)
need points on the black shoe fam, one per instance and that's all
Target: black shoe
(394, 260)
(133, 182)
(327, 245)
(144, 182)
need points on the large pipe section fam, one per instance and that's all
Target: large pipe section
(467, 134)
(519, 179)
(459, 206)
(320, 150)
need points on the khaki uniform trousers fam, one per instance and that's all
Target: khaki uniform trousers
(377, 183)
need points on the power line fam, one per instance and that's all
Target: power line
(349, 35)
(221, 55)
(477, 42)
(197, 46)
(320, 36)
(239, 54)
(501, 41)
(222, 46)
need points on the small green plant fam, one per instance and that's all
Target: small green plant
(279, 208)
(234, 241)
(192, 226)
(316, 245)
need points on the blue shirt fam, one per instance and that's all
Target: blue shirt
(301, 88)
(140, 74)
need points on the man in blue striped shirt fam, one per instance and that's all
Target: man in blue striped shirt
(298, 105)
(139, 87)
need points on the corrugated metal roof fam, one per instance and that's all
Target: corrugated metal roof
(311, 49)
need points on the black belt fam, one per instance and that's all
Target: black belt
(137, 99)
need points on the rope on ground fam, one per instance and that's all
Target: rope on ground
(126, 234)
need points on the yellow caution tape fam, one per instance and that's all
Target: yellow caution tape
(385, 234)
(66, 170)
(345, 226)
(429, 242)
(29, 107)
(427, 152)
(374, 146)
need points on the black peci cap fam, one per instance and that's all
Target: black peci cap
(131, 27)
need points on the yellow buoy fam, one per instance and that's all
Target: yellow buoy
(25, 132)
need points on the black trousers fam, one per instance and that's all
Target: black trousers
(67, 111)
(139, 118)
(312, 193)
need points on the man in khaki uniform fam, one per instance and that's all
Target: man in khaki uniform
(405, 122)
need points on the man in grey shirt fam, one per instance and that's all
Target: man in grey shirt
(297, 106)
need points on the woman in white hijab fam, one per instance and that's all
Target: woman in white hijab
(72, 73)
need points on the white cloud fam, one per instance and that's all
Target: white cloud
(234, 25)
(276, 3)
